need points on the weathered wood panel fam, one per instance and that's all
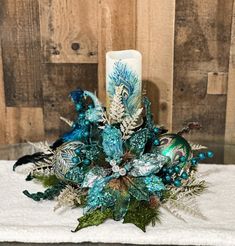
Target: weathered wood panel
(20, 39)
(117, 31)
(2, 104)
(217, 83)
(230, 109)
(59, 80)
(155, 40)
(69, 30)
(202, 41)
(24, 124)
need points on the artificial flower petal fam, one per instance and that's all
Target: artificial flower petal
(95, 174)
(112, 143)
(147, 164)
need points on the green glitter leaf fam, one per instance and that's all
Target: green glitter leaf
(137, 188)
(137, 141)
(94, 218)
(140, 214)
(122, 200)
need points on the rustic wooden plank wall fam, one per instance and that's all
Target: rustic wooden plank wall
(155, 40)
(202, 45)
(117, 31)
(36, 92)
(50, 47)
(230, 110)
(69, 30)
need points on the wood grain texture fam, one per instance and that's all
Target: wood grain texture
(117, 31)
(24, 124)
(230, 109)
(217, 83)
(20, 38)
(202, 41)
(155, 40)
(2, 104)
(59, 80)
(69, 30)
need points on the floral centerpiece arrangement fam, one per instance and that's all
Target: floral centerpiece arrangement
(116, 163)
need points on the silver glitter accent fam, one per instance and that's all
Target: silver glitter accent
(147, 164)
(115, 169)
(122, 171)
(113, 163)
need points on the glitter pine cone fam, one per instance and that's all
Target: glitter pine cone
(116, 168)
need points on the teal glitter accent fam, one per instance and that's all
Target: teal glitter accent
(138, 141)
(94, 174)
(154, 183)
(112, 143)
(75, 175)
(97, 197)
(92, 152)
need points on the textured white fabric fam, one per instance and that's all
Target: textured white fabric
(24, 220)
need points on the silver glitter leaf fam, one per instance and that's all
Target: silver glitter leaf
(96, 173)
(147, 164)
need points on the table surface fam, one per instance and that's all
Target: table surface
(224, 153)
(24, 220)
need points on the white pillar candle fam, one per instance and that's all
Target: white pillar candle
(124, 68)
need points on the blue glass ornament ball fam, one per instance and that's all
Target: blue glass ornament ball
(182, 158)
(184, 175)
(168, 178)
(177, 182)
(194, 161)
(75, 159)
(174, 146)
(82, 115)
(156, 142)
(78, 151)
(78, 107)
(202, 156)
(156, 130)
(86, 162)
(210, 154)
(177, 169)
(87, 122)
(170, 171)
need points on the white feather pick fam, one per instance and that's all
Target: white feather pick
(129, 123)
(67, 121)
(43, 146)
(197, 146)
(117, 108)
(68, 197)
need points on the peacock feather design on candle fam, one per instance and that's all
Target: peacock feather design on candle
(123, 75)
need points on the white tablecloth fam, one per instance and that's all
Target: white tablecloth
(24, 220)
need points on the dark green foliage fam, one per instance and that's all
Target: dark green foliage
(47, 181)
(48, 194)
(141, 214)
(122, 199)
(138, 189)
(96, 217)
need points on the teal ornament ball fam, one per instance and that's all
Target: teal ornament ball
(65, 158)
(175, 147)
